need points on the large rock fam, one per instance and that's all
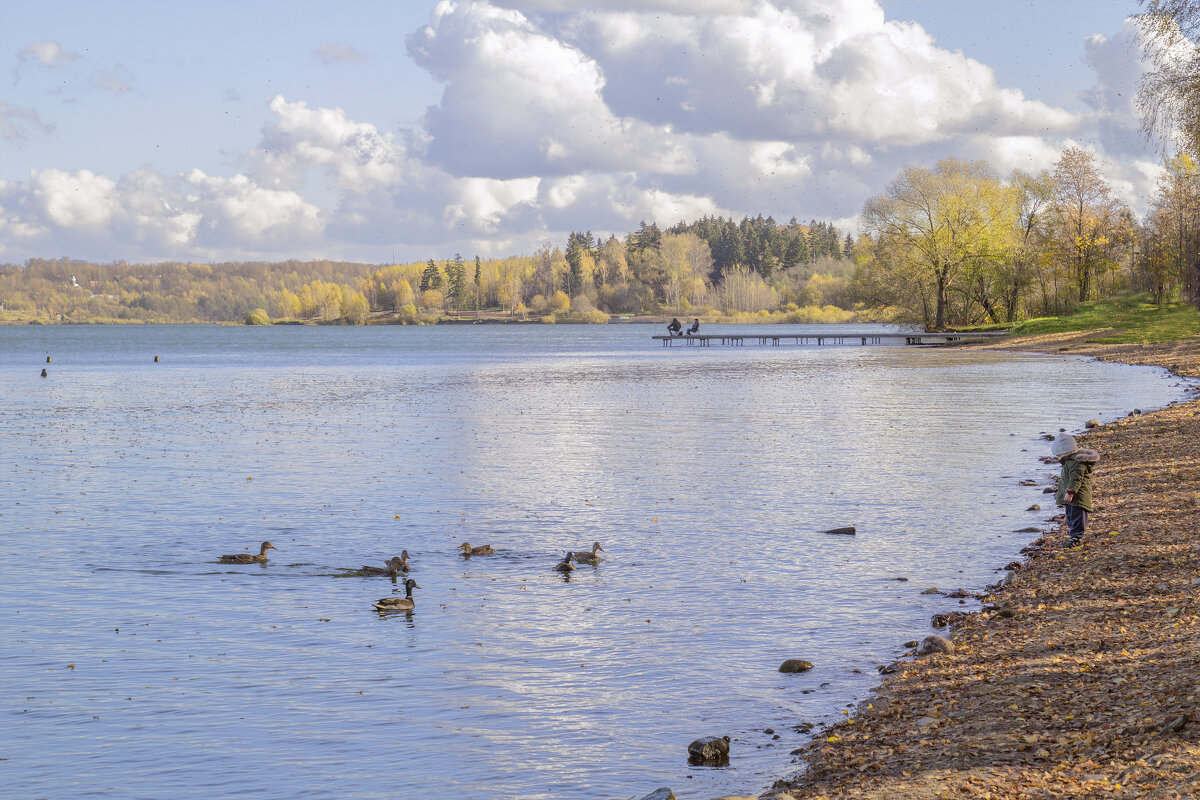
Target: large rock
(711, 750)
(846, 531)
(795, 665)
(935, 644)
(661, 794)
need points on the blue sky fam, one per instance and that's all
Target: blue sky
(231, 129)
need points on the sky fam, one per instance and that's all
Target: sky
(361, 130)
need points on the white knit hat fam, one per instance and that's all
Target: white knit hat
(1063, 445)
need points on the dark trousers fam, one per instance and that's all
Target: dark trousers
(1076, 521)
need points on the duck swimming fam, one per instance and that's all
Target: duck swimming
(395, 565)
(588, 555)
(249, 558)
(481, 550)
(567, 564)
(394, 603)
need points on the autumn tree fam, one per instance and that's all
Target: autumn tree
(687, 263)
(938, 222)
(1171, 237)
(1032, 196)
(1087, 217)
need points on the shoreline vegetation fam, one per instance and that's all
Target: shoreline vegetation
(1079, 677)
(951, 246)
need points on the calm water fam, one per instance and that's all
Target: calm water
(135, 666)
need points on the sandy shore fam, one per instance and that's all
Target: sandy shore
(1083, 678)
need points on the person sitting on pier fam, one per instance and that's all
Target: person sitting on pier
(695, 326)
(673, 327)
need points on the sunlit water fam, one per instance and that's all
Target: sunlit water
(135, 666)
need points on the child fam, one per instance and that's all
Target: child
(1074, 485)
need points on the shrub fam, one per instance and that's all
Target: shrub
(590, 316)
(258, 316)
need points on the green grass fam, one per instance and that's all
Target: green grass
(1136, 317)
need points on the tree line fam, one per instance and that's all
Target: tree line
(954, 244)
(760, 266)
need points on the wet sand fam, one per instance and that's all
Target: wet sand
(1082, 677)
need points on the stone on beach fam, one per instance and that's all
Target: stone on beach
(935, 644)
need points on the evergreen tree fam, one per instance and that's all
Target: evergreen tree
(458, 282)
(848, 248)
(647, 237)
(478, 283)
(431, 278)
(797, 250)
(580, 246)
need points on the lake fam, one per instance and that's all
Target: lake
(137, 666)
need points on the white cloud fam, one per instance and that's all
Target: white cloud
(355, 156)
(1116, 60)
(79, 199)
(561, 115)
(48, 54)
(17, 122)
(483, 203)
(236, 211)
(337, 52)
(116, 79)
(520, 102)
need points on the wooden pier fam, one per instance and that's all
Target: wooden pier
(822, 339)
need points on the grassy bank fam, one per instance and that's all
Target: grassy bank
(1122, 320)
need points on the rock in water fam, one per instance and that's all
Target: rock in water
(711, 750)
(661, 794)
(1092, 423)
(846, 531)
(935, 644)
(795, 665)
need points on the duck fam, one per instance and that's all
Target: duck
(567, 564)
(588, 555)
(393, 603)
(249, 558)
(395, 565)
(481, 550)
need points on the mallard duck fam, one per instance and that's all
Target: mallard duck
(481, 550)
(249, 558)
(393, 603)
(395, 565)
(588, 555)
(567, 564)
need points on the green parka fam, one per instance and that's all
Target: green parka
(1076, 476)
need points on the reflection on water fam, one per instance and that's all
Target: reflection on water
(706, 474)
